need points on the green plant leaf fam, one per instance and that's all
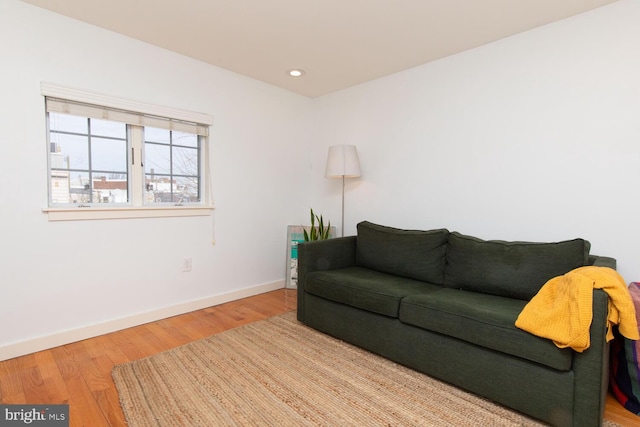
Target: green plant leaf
(321, 231)
(327, 231)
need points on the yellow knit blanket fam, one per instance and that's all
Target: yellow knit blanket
(562, 310)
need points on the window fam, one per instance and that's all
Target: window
(122, 162)
(88, 160)
(171, 163)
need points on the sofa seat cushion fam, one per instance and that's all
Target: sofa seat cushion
(510, 269)
(484, 320)
(364, 288)
(414, 254)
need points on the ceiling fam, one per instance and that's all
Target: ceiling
(339, 43)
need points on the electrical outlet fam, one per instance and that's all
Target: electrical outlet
(186, 264)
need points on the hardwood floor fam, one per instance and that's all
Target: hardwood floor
(80, 373)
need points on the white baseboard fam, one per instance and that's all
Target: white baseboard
(21, 348)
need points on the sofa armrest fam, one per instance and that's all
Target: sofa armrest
(327, 254)
(602, 261)
(320, 255)
(591, 368)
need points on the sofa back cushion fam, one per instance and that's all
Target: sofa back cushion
(413, 254)
(510, 269)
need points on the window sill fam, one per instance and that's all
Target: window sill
(96, 213)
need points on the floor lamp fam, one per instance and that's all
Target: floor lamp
(342, 162)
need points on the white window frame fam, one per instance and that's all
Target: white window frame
(136, 210)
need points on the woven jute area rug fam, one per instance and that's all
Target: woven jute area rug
(278, 372)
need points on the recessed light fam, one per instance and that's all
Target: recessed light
(296, 72)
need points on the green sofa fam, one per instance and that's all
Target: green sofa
(445, 304)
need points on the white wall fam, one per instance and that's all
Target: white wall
(58, 277)
(535, 137)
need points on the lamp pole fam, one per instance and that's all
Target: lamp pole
(342, 162)
(342, 225)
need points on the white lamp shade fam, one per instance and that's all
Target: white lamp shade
(342, 161)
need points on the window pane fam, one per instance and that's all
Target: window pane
(156, 135)
(69, 151)
(157, 159)
(67, 123)
(187, 190)
(108, 128)
(60, 187)
(171, 166)
(110, 188)
(161, 189)
(185, 139)
(108, 155)
(185, 161)
(79, 188)
(86, 168)
(158, 189)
